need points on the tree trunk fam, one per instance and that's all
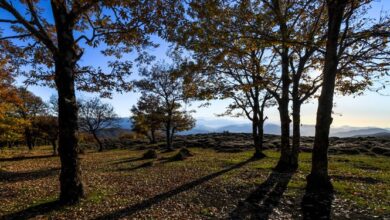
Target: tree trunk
(284, 163)
(257, 135)
(70, 177)
(296, 130)
(27, 136)
(318, 178)
(153, 137)
(172, 135)
(54, 145)
(100, 145)
(260, 135)
(71, 185)
(168, 136)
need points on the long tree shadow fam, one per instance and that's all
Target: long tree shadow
(11, 177)
(317, 204)
(260, 203)
(143, 165)
(163, 196)
(33, 211)
(129, 160)
(26, 158)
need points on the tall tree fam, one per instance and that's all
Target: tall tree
(230, 62)
(163, 82)
(95, 116)
(53, 47)
(354, 49)
(305, 60)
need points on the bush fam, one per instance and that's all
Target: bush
(183, 154)
(150, 154)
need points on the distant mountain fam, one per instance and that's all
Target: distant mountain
(361, 132)
(204, 126)
(381, 134)
(112, 132)
(124, 123)
(215, 123)
(247, 128)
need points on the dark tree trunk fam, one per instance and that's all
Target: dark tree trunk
(257, 132)
(284, 163)
(70, 177)
(28, 137)
(54, 145)
(168, 136)
(255, 137)
(153, 137)
(100, 145)
(71, 185)
(172, 136)
(258, 140)
(318, 178)
(296, 130)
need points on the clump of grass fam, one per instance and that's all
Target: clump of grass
(150, 154)
(183, 154)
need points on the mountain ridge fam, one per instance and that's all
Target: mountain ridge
(211, 126)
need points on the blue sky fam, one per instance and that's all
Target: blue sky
(371, 109)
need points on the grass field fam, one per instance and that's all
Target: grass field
(209, 185)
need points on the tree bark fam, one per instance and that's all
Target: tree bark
(54, 145)
(100, 145)
(284, 163)
(168, 136)
(27, 136)
(71, 185)
(296, 114)
(257, 134)
(319, 178)
(153, 137)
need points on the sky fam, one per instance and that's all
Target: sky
(371, 109)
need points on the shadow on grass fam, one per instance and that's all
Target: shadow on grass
(11, 177)
(129, 160)
(34, 211)
(128, 211)
(26, 158)
(143, 165)
(260, 203)
(317, 204)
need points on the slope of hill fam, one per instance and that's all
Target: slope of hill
(361, 132)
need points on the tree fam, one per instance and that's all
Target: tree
(353, 49)
(95, 116)
(163, 83)
(233, 64)
(52, 48)
(28, 109)
(147, 117)
(11, 127)
(47, 127)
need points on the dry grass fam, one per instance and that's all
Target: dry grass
(209, 185)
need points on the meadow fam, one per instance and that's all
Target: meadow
(121, 184)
